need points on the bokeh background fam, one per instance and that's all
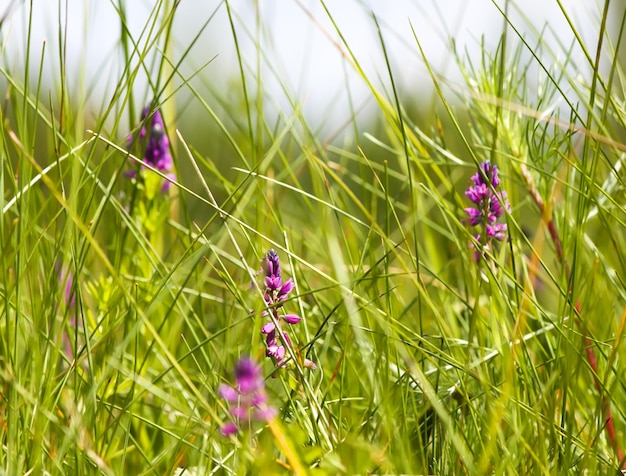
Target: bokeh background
(293, 44)
(285, 61)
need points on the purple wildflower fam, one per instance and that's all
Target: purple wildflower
(276, 293)
(490, 204)
(155, 145)
(248, 397)
(66, 278)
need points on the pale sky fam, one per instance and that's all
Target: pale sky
(297, 38)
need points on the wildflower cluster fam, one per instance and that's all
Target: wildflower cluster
(276, 292)
(155, 145)
(248, 397)
(490, 205)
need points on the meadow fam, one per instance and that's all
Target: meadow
(197, 280)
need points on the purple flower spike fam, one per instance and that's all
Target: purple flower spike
(158, 145)
(276, 293)
(248, 397)
(490, 204)
(154, 145)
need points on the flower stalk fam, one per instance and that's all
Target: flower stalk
(276, 293)
(546, 216)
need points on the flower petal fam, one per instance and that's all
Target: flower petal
(228, 393)
(292, 318)
(228, 429)
(267, 328)
(286, 287)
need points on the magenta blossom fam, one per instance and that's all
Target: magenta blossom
(154, 145)
(276, 293)
(490, 205)
(247, 398)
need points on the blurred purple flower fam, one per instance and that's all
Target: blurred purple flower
(276, 293)
(490, 204)
(69, 294)
(66, 279)
(248, 398)
(154, 145)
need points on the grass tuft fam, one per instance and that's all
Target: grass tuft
(130, 287)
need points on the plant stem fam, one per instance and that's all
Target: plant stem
(546, 216)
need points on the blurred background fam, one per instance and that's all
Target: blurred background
(292, 45)
(231, 76)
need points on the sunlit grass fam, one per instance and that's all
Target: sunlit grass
(125, 308)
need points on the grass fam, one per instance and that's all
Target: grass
(124, 308)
